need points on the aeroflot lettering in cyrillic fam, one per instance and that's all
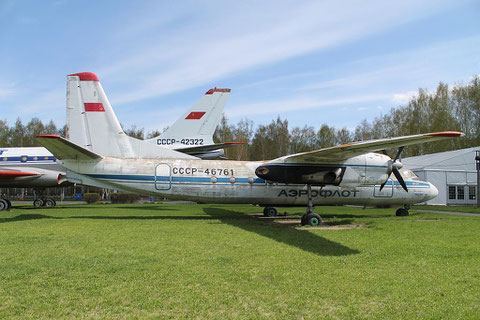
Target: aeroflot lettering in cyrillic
(316, 193)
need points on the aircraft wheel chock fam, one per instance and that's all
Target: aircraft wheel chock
(314, 219)
(37, 203)
(270, 212)
(401, 212)
(49, 203)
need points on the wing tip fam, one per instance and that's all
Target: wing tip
(447, 134)
(48, 136)
(85, 76)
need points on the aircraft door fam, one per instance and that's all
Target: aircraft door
(163, 176)
(387, 191)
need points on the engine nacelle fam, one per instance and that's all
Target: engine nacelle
(365, 169)
(301, 174)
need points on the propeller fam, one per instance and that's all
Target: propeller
(393, 168)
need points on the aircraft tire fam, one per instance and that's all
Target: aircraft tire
(270, 212)
(49, 203)
(303, 221)
(401, 212)
(314, 219)
(37, 203)
(3, 205)
(8, 203)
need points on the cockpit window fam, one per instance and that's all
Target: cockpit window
(408, 174)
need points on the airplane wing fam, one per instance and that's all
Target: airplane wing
(63, 149)
(209, 147)
(15, 174)
(345, 151)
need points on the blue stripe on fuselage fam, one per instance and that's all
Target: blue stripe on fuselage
(175, 179)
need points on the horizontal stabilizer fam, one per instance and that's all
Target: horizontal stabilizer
(65, 150)
(209, 147)
(345, 151)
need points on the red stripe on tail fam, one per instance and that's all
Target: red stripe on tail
(195, 115)
(94, 107)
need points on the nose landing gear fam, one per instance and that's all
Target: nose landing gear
(403, 212)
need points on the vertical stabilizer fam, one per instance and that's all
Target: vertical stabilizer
(92, 124)
(198, 123)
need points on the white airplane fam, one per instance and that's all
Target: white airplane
(37, 168)
(346, 174)
(30, 168)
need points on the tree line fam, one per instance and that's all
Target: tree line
(447, 108)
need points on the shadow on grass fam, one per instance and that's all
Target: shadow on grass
(298, 238)
(99, 207)
(301, 239)
(26, 217)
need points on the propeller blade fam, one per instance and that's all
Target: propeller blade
(400, 178)
(383, 185)
(399, 153)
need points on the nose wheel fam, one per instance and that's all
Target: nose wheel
(310, 218)
(403, 212)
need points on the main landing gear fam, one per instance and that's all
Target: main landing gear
(5, 204)
(309, 218)
(403, 212)
(42, 201)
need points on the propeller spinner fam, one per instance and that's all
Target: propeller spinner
(394, 167)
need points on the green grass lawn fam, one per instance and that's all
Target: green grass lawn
(214, 261)
(466, 209)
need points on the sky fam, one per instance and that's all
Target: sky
(311, 62)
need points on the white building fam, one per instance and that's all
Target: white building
(454, 174)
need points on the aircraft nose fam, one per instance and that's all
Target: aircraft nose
(433, 192)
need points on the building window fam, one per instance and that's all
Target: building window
(451, 193)
(461, 193)
(472, 193)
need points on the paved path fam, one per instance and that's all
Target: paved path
(451, 213)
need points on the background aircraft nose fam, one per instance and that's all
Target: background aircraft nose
(433, 192)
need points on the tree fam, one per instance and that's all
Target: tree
(326, 136)
(17, 134)
(135, 133)
(302, 139)
(4, 133)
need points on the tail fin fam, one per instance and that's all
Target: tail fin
(92, 124)
(198, 123)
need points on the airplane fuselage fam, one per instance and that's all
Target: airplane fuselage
(220, 181)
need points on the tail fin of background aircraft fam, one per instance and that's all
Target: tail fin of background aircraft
(197, 123)
(92, 124)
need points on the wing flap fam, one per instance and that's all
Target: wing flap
(63, 149)
(345, 151)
